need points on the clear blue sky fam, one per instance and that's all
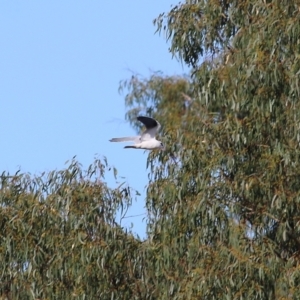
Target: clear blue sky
(61, 63)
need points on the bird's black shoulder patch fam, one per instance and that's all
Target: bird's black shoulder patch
(148, 122)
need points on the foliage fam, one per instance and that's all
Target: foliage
(59, 238)
(224, 199)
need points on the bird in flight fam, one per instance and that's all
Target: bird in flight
(147, 139)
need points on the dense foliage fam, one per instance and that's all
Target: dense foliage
(59, 238)
(223, 198)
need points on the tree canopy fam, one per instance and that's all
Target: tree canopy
(223, 199)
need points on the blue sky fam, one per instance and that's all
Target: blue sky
(61, 64)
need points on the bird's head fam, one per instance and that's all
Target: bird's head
(161, 146)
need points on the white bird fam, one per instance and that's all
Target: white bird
(147, 139)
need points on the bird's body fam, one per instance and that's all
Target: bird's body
(147, 145)
(147, 139)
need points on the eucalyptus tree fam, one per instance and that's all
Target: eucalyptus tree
(224, 197)
(59, 238)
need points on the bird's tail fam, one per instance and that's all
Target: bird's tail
(125, 139)
(133, 147)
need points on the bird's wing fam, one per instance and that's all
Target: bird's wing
(125, 139)
(152, 126)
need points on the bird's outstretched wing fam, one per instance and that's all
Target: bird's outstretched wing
(152, 126)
